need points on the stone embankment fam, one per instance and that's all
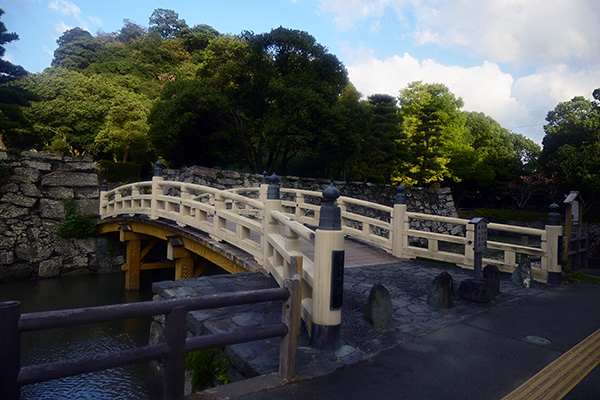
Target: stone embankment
(422, 200)
(33, 187)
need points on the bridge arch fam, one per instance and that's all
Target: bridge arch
(188, 251)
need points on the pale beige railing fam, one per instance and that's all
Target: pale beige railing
(271, 231)
(256, 225)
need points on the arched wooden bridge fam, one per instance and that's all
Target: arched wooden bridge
(262, 228)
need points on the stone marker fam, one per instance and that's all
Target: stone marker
(476, 291)
(523, 275)
(491, 274)
(379, 310)
(441, 294)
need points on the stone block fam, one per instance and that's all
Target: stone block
(52, 209)
(19, 200)
(3, 156)
(478, 292)
(491, 274)
(11, 211)
(523, 276)
(60, 192)
(49, 268)
(75, 179)
(87, 206)
(78, 166)
(26, 175)
(87, 193)
(378, 310)
(11, 187)
(40, 166)
(31, 190)
(34, 155)
(7, 257)
(441, 294)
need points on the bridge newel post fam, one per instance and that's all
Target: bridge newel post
(264, 185)
(156, 190)
(398, 220)
(270, 224)
(10, 350)
(554, 230)
(328, 278)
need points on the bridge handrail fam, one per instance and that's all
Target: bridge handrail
(296, 227)
(172, 350)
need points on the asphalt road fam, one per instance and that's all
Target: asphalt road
(486, 356)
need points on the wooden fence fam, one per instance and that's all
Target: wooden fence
(173, 350)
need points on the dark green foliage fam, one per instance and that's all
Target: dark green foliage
(207, 366)
(118, 172)
(76, 226)
(5, 171)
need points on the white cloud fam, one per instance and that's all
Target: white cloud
(484, 88)
(61, 27)
(348, 12)
(66, 7)
(527, 32)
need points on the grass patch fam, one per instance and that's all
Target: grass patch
(207, 366)
(578, 277)
(502, 214)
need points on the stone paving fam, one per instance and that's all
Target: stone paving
(408, 281)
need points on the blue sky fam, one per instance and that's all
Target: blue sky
(511, 59)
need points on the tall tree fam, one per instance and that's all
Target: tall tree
(384, 147)
(14, 126)
(76, 49)
(272, 95)
(434, 128)
(166, 23)
(571, 147)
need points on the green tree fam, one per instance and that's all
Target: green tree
(76, 49)
(125, 134)
(571, 147)
(131, 31)
(270, 97)
(434, 129)
(8, 71)
(15, 128)
(73, 110)
(384, 147)
(575, 122)
(166, 23)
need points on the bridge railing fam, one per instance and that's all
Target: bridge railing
(256, 225)
(409, 234)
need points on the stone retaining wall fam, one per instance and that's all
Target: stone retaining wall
(32, 192)
(429, 201)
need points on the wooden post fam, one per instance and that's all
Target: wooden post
(398, 216)
(291, 319)
(175, 334)
(133, 264)
(10, 350)
(327, 293)
(553, 232)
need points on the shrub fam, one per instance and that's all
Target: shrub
(76, 226)
(207, 366)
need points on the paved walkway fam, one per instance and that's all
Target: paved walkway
(469, 352)
(425, 348)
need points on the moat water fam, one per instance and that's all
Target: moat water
(56, 344)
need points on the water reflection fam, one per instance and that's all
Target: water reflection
(55, 344)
